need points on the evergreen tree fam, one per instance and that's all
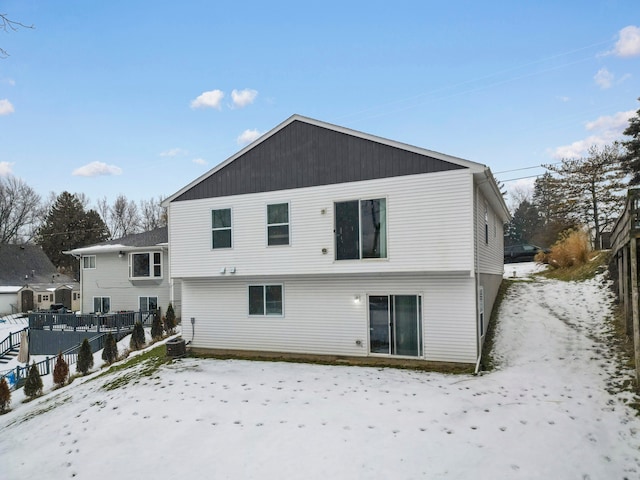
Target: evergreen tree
(60, 371)
(554, 212)
(170, 320)
(5, 396)
(110, 351)
(156, 327)
(85, 357)
(593, 188)
(524, 224)
(33, 383)
(68, 226)
(137, 337)
(631, 157)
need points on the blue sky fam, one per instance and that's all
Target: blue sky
(141, 97)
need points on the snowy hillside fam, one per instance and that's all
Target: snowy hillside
(545, 413)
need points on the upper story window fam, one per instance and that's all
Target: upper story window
(486, 225)
(89, 261)
(221, 228)
(278, 224)
(145, 265)
(361, 229)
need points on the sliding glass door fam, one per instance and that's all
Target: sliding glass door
(395, 325)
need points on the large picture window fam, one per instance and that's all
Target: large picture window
(145, 265)
(221, 228)
(278, 224)
(361, 229)
(265, 300)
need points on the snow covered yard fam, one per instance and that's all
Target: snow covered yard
(544, 413)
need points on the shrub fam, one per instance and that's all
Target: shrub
(156, 327)
(170, 320)
(570, 250)
(137, 337)
(5, 396)
(85, 358)
(33, 384)
(60, 371)
(110, 351)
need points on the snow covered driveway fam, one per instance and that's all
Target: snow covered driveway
(545, 413)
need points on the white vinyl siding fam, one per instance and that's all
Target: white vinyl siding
(429, 228)
(490, 245)
(322, 316)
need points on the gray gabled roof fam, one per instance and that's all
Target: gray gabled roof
(27, 264)
(134, 241)
(303, 152)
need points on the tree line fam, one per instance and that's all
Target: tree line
(578, 192)
(66, 221)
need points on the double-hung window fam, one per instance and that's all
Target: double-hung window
(278, 224)
(145, 265)
(265, 300)
(221, 228)
(361, 229)
(89, 261)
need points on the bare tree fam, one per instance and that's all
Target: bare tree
(20, 211)
(8, 25)
(152, 214)
(122, 218)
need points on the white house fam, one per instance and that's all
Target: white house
(317, 239)
(128, 273)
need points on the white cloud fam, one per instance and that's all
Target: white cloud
(242, 98)
(173, 152)
(248, 136)
(628, 44)
(606, 130)
(5, 169)
(6, 107)
(199, 161)
(95, 169)
(604, 78)
(563, 98)
(210, 99)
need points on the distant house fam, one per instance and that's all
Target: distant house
(318, 239)
(128, 273)
(29, 281)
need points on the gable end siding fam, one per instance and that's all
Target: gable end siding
(304, 155)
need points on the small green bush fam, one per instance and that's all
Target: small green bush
(156, 327)
(85, 358)
(137, 337)
(33, 384)
(110, 351)
(170, 320)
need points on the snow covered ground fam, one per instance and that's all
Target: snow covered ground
(545, 413)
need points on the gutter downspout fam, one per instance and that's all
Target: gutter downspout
(477, 272)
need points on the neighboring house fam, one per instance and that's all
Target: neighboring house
(317, 239)
(128, 273)
(29, 281)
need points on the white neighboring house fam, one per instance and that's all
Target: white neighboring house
(128, 273)
(318, 239)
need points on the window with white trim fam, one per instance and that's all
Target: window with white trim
(148, 304)
(221, 231)
(265, 300)
(145, 265)
(88, 261)
(278, 224)
(101, 304)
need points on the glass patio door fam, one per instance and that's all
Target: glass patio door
(395, 325)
